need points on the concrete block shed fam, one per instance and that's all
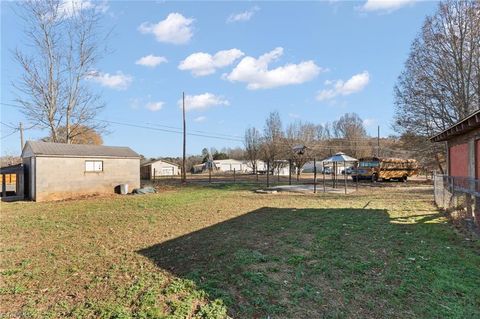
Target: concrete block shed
(57, 171)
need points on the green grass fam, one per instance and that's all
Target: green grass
(209, 252)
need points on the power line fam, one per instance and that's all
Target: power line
(8, 125)
(4, 137)
(202, 133)
(169, 130)
(210, 133)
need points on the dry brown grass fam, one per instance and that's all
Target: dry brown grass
(199, 251)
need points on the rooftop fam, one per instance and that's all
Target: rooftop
(468, 124)
(60, 149)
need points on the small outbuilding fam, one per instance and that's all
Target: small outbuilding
(58, 171)
(463, 146)
(12, 182)
(158, 168)
(462, 142)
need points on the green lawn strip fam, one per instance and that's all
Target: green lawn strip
(201, 251)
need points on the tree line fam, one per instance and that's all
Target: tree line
(440, 85)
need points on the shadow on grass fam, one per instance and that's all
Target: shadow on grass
(312, 263)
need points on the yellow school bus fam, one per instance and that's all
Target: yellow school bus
(375, 169)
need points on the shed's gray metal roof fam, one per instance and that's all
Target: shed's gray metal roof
(61, 149)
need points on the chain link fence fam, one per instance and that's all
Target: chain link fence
(460, 197)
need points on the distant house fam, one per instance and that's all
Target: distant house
(228, 165)
(58, 171)
(463, 147)
(157, 168)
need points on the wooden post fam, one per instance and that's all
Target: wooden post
(334, 171)
(234, 177)
(314, 175)
(345, 176)
(356, 176)
(323, 170)
(289, 172)
(154, 174)
(184, 172)
(20, 128)
(4, 186)
(209, 174)
(268, 174)
(476, 211)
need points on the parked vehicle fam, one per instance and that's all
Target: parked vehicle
(327, 170)
(375, 169)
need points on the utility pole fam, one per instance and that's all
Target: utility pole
(378, 141)
(20, 128)
(184, 173)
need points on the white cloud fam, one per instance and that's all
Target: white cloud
(154, 106)
(118, 81)
(151, 60)
(385, 5)
(200, 119)
(369, 122)
(355, 84)
(174, 29)
(201, 63)
(242, 16)
(67, 8)
(256, 74)
(202, 101)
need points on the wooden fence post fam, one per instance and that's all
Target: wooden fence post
(289, 172)
(323, 173)
(268, 174)
(314, 176)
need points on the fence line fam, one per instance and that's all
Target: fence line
(459, 196)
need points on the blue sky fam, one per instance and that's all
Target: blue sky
(236, 62)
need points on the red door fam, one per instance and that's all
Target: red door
(459, 160)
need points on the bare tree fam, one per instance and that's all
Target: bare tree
(351, 130)
(65, 47)
(273, 145)
(306, 134)
(253, 143)
(441, 80)
(81, 135)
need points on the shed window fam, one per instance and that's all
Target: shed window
(93, 166)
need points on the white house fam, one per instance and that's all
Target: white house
(228, 165)
(282, 168)
(154, 168)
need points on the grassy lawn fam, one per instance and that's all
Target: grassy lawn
(203, 252)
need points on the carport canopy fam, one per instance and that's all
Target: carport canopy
(340, 157)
